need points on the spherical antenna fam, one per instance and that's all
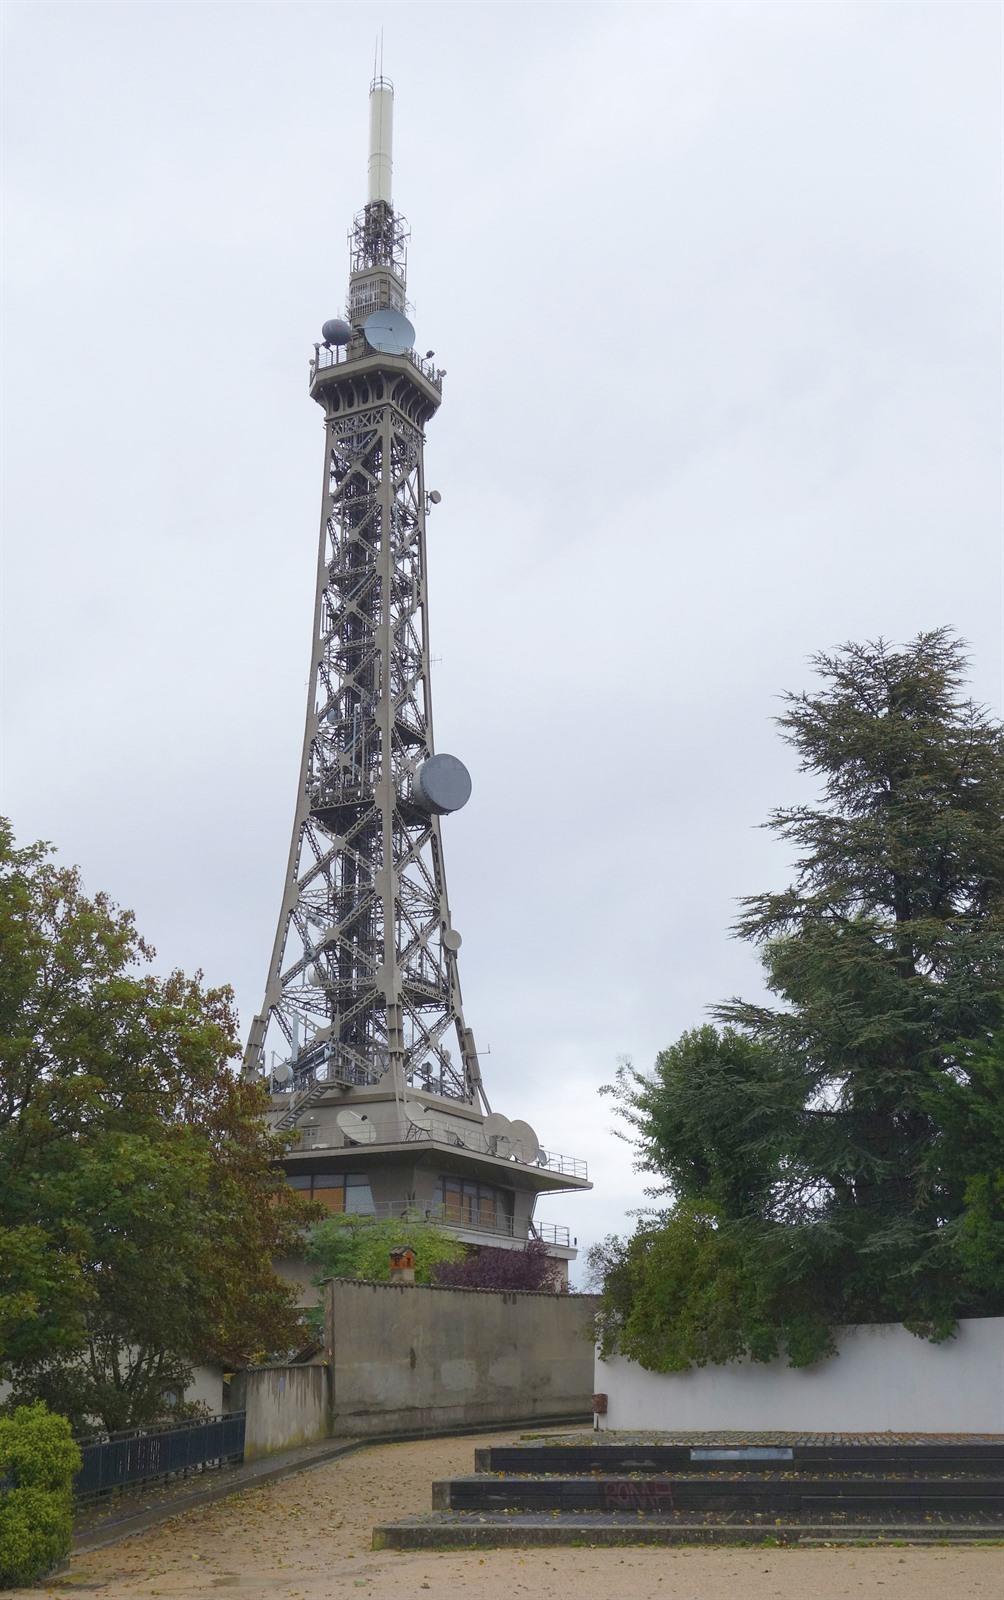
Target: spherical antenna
(336, 331)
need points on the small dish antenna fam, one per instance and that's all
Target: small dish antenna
(389, 331)
(451, 939)
(435, 496)
(356, 1127)
(283, 1072)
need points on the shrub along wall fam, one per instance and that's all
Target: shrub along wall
(38, 1459)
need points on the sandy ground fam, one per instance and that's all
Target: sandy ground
(308, 1537)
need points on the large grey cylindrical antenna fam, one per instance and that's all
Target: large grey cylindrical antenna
(381, 139)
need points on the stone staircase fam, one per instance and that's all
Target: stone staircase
(781, 1488)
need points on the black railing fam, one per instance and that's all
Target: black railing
(167, 1452)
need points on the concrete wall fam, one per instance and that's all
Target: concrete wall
(286, 1406)
(883, 1378)
(408, 1357)
(206, 1388)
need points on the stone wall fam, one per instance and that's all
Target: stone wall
(286, 1406)
(406, 1358)
(882, 1379)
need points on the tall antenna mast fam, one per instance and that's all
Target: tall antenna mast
(363, 980)
(381, 140)
(361, 1037)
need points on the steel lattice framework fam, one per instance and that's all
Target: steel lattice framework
(363, 979)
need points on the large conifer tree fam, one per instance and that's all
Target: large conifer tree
(827, 1158)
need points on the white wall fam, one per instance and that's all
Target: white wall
(206, 1388)
(882, 1378)
(287, 1406)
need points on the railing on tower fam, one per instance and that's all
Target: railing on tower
(334, 355)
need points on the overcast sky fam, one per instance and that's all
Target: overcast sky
(717, 291)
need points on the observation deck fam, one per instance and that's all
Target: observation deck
(351, 377)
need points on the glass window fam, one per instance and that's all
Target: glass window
(475, 1205)
(359, 1198)
(338, 1191)
(330, 1196)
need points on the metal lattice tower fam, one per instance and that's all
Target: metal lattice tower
(362, 986)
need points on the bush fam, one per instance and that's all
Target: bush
(528, 1269)
(39, 1459)
(348, 1246)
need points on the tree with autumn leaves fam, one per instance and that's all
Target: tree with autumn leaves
(141, 1206)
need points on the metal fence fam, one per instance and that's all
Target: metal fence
(467, 1219)
(171, 1451)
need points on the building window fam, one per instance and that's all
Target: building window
(475, 1205)
(337, 1191)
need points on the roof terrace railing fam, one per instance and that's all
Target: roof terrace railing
(468, 1220)
(326, 356)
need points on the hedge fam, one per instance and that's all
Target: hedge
(38, 1462)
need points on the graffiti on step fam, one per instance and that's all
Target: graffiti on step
(638, 1494)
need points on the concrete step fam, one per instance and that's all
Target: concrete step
(775, 1494)
(575, 1456)
(497, 1530)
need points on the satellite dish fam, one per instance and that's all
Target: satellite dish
(442, 784)
(356, 1127)
(316, 978)
(451, 939)
(496, 1126)
(525, 1144)
(543, 1159)
(389, 332)
(435, 496)
(418, 1116)
(283, 1072)
(336, 331)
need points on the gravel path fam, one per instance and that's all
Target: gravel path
(308, 1538)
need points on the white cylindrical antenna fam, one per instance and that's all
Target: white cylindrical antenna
(381, 136)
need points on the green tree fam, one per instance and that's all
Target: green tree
(966, 1163)
(360, 1246)
(819, 1151)
(140, 1207)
